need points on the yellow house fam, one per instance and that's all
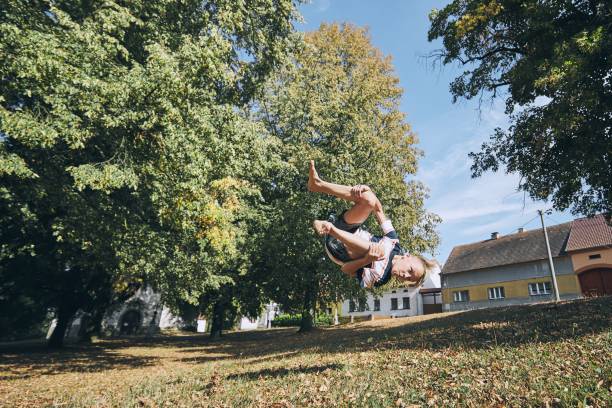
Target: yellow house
(513, 269)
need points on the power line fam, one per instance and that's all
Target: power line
(514, 230)
(552, 219)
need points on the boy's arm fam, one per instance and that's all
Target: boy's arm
(375, 253)
(351, 267)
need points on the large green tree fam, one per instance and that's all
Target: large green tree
(124, 156)
(338, 104)
(552, 61)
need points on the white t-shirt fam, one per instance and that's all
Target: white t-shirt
(376, 271)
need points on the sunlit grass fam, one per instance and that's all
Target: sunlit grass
(545, 355)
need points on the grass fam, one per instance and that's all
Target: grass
(543, 355)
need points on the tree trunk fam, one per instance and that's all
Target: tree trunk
(94, 324)
(307, 323)
(216, 326)
(63, 318)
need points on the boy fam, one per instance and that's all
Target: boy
(371, 259)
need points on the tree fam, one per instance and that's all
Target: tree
(552, 62)
(124, 155)
(337, 103)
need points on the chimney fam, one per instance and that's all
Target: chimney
(494, 235)
(521, 230)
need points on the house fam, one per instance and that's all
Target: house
(263, 321)
(142, 313)
(398, 302)
(590, 247)
(513, 269)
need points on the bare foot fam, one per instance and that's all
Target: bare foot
(313, 178)
(322, 227)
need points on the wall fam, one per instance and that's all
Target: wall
(581, 261)
(145, 301)
(568, 284)
(516, 292)
(385, 304)
(169, 321)
(504, 302)
(416, 301)
(536, 269)
(514, 279)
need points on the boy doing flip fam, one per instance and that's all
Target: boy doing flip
(371, 259)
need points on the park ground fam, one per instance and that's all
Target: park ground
(547, 355)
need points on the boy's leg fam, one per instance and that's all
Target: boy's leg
(355, 245)
(316, 185)
(365, 203)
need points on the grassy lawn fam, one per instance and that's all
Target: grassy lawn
(544, 355)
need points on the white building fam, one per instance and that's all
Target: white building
(399, 302)
(263, 321)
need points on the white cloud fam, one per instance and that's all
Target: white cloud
(321, 5)
(493, 193)
(454, 163)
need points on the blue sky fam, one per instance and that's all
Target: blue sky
(470, 208)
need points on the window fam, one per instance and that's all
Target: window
(405, 303)
(539, 288)
(393, 291)
(595, 256)
(376, 305)
(405, 290)
(496, 293)
(351, 306)
(461, 296)
(393, 303)
(363, 306)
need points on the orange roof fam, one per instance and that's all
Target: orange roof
(591, 232)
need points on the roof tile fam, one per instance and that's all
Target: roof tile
(507, 250)
(591, 232)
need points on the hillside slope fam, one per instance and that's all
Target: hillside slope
(541, 355)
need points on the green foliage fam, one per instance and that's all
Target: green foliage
(124, 153)
(324, 320)
(559, 52)
(292, 320)
(287, 320)
(337, 103)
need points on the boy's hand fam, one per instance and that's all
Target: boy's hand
(375, 253)
(358, 190)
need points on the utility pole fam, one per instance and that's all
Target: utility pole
(550, 260)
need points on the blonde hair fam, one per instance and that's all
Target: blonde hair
(429, 266)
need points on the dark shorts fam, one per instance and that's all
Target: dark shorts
(334, 246)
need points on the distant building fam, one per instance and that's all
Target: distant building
(398, 302)
(263, 321)
(513, 269)
(142, 313)
(590, 247)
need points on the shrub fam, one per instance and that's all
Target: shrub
(288, 320)
(324, 320)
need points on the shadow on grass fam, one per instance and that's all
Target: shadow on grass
(283, 372)
(35, 361)
(478, 329)
(249, 358)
